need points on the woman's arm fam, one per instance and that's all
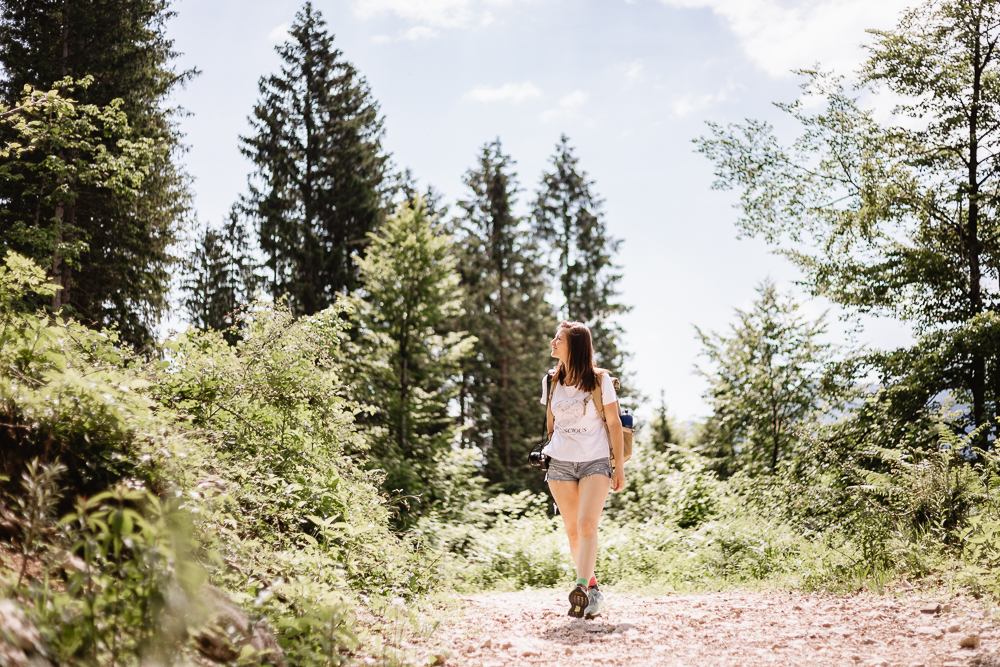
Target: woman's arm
(617, 445)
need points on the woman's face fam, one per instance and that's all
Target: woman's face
(560, 346)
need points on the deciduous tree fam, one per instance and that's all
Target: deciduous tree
(901, 217)
(119, 271)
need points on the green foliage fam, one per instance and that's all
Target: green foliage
(246, 443)
(765, 378)
(275, 429)
(407, 356)
(509, 542)
(56, 149)
(504, 540)
(71, 393)
(505, 309)
(319, 167)
(889, 218)
(672, 485)
(113, 258)
(118, 559)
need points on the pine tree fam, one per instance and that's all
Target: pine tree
(221, 276)
(765, 378)
(319, 167)
(663, 431)
(121, 274)
(567, 215)
(408, 357)
(505, 309)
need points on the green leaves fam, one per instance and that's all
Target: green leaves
(765, 379)
(896, 217)
(407, 356)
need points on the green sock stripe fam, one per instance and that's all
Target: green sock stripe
(581, 581)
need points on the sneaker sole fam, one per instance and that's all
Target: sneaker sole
(578, 602)
(594, 615)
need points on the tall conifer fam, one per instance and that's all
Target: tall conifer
(221, 275)
(407, 358)
(122, 275)
(505, 309)
(319, 167)
(567, 215)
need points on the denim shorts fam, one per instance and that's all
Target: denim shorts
(570, 471)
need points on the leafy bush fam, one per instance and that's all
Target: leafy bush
(73, 394)
(671, 485)
(245, 443)
(271, 426)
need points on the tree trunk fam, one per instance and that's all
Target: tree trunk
(504, 376)
(973, 246)
(404, 381)
(57, 301)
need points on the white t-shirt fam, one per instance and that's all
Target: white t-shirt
(579, 434)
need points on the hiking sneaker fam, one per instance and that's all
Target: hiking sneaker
(596, 604)
(578, 601)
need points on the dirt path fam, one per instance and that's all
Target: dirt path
(718, 630)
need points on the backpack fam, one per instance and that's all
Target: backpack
(627, 433)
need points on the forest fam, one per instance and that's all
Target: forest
(336, 448)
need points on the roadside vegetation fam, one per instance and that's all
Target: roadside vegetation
(339, 442)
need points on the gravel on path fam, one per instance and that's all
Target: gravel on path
(716, 629)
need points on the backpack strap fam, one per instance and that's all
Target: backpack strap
(549, 417)
(598, 396)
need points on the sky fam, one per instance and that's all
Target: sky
(631, 82)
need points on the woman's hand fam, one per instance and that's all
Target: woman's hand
(618, 479)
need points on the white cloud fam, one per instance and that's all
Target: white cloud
(443, 14)
(633, 71)
(381, 39)
(278, 33)
(781, 35)
(433, 13)
(418, 32)
(692, 103)
(574, 100)
(568, 105)
(509, 92)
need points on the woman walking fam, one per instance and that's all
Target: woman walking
(580, 471)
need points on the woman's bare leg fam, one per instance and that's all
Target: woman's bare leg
(567, 498)
(592, 491)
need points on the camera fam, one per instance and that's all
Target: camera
(538, 460)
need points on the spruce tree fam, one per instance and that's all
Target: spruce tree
(506, 310)
(220, 276)
(663, 431)
(121, 274)
(316, 189)
(407, 356)
(567, 215)
(765, 378)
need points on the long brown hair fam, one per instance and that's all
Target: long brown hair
(579, 372)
